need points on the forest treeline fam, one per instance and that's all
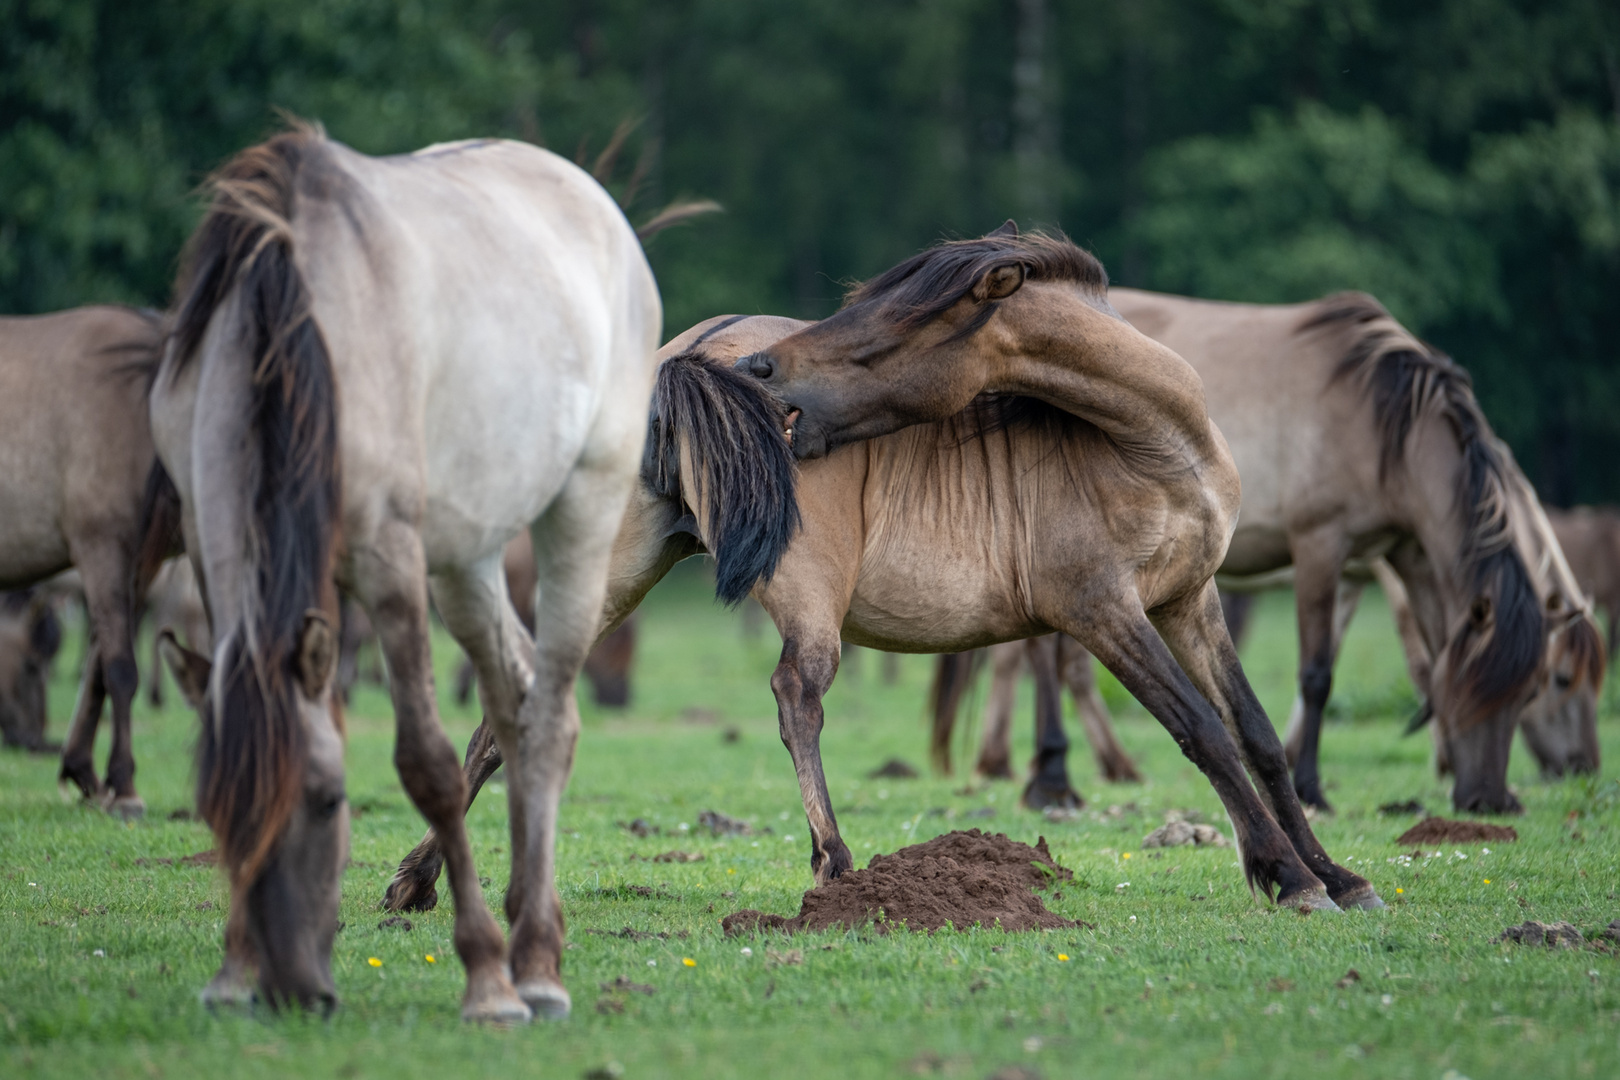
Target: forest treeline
(1458, 158)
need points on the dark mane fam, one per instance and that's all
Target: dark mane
(728, 426)
(251, 755)
(1501, 647)
(930, 282)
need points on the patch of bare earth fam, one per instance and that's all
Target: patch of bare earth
(960, 879)
(1439, 830)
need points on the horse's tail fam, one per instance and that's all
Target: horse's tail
(1499, 650)
(953, 674)
(240, 264)
(159, 528)
(715, 440)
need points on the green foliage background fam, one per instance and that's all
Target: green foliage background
(1460, 159)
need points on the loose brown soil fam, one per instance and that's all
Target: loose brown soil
(959, 879)
(1439, 830)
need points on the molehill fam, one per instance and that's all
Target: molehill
(959, 879)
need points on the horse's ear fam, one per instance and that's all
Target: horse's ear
(317, 654)
(999, 282)
(1008, 228)
(191, 671)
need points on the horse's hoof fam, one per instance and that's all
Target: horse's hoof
(78, 783)
(1308, 901)
(227, 992)
(408, 892)
(127, 807)
(492, 1000)
(1361, 898)
(1039, 797)
(548, 999)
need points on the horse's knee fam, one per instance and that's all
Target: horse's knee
(1315, 683)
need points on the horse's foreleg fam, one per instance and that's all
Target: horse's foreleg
(806, 670)
(390, 577)
(1196, 632)
(1318, 563)
(1120, 635)
(1080, 673)
(1049, 783)
(412, 887)
(995, 748)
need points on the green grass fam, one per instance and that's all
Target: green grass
(1165, 985)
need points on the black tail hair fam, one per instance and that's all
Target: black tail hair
(250, 757)
(729, 426)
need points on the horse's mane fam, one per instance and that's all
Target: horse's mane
(251, 754)
(727, 427)
(930, 282)
(1408, 382)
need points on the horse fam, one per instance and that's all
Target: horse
(1001, 519)
(1590, 539)
(381, 370)
(78, 447)
(30, 637)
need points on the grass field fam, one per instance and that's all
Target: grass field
(1185, 974)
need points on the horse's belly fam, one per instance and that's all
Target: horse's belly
(939, 606)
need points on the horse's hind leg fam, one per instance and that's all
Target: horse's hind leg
(1318, 563)
(1080, 672)
(390, 577)
(995, 748)
(106, 573)
(78, 764)
(1120, 635)
(412, 887)
(1049, 785)
(572, 543)
(1196, 632)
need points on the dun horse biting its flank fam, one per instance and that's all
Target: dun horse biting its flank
(382, 370)
(75, 434)
(1001, 519)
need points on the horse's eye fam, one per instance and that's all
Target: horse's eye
(329, 806)
(1562, 681)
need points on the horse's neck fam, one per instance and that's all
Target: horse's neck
(1089, 362)
(1431, 491)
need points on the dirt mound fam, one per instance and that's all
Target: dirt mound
(958, 879)
(1439, 830)
(1558, 935)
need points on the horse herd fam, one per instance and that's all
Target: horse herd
(377, 372)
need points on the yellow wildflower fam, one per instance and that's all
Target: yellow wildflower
(1126, 855)
(429, 958)
(688, 961)
(1063, 958)
(374, 962)
(1400, 890)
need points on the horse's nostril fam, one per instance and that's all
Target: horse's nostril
(760, 365)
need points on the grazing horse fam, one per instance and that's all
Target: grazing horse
(1590, 539)
(1356, 440)
(382, 369)
(77, 444)
(1001, 519)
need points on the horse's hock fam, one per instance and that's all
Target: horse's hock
(960, 879)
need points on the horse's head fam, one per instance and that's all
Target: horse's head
(282, 817)
(1560, 723)
(915, 343)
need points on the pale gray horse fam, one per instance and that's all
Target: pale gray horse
(382, 370)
